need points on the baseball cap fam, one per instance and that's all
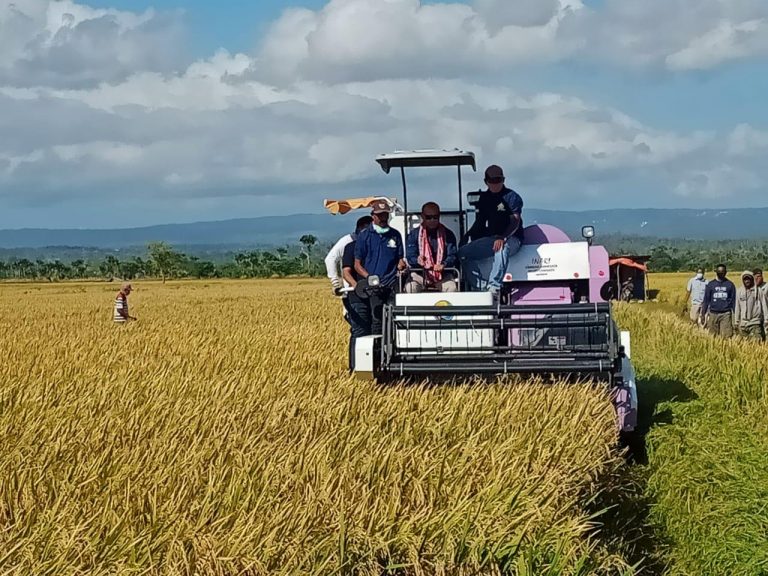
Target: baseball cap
(380, 206)
(494, 171)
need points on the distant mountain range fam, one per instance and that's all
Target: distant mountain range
(278, 230)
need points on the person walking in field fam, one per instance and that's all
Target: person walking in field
(695, 295)
(358, 314)
(719, 303)
(749, 315)
(336, 254)
(379, 252)
(760, 283)
(121, 315)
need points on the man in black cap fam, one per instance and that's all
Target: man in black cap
(496, 234)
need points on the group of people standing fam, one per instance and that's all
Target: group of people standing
(726, 310)
(431, 258)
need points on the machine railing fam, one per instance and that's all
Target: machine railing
(405, 275)
(567, 338)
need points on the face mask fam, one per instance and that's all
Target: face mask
(381, 229)
(720, 275)
(699, 276)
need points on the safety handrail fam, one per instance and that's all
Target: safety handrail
(406, 273)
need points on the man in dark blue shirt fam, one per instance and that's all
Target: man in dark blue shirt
(379, 252)
(431, 249)
(719, 303)
(358, 312)
(496, 235)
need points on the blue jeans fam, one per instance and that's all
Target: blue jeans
(483, 268)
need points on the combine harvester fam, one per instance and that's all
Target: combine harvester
(552, 316)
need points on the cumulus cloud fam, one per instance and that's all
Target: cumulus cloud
(98, 111)
(62, 43)
(360, 40)
(372, 39)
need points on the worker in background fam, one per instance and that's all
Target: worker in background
(719, 303)
(695, 295)
(749, 314)
(759, 280)
(431, 249)
(496, 235)
(333, 259)
(379, 252)
(121, 314)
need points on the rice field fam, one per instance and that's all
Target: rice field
(220, 434)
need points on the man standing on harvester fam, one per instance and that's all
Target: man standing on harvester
(719, 303)
(378, 253)
(496, 235)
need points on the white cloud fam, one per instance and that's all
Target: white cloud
(330, 89)
(361, 40)
(62, 43)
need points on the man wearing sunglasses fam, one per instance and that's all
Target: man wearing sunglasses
(496, 235)
(431, 249)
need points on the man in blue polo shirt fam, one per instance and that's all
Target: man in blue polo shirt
(496, 235)
(379, 252)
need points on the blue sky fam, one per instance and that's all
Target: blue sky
(214, 110)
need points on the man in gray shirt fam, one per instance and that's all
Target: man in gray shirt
(695, 295)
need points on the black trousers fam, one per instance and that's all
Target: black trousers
(359, 318)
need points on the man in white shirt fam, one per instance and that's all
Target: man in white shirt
(333, 259)
(695, 294)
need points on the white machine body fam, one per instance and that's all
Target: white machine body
(448, 341)
(555, 261)
(365, 362)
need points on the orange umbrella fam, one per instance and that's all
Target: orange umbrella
(344, 206)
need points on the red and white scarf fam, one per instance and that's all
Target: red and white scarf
(426, 253)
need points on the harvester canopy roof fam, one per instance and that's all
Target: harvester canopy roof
(426, 158)
(349, 204)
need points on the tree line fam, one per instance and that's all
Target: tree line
(305, 258)
(164, 262)
(681, 259)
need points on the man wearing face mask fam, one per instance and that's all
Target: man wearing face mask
(719, 303)
(749, 314)
(379, 252)
(695, 295)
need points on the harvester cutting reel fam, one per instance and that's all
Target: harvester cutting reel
(430, 338)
